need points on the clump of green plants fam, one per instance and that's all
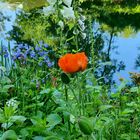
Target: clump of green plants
(48, 86)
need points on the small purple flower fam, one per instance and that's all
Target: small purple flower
(32, 54)
(45, 45)
(28, 51)
(22, 56)
(40, 43)
(37, 84)
(45, 57)
(43, 81)
(16, 55)
(37, 48)
(6, 54)
(42, 53)
(26, 46)
(50, 64)
(20, 46)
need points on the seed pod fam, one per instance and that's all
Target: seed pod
(85, 125)
(65, 79)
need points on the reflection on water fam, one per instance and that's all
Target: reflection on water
(7, 18)
(127, 48)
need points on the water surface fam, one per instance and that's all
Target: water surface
(127, 48)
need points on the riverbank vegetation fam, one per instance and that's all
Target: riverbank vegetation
(56, 71)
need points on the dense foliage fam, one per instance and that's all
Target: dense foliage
(40, 101)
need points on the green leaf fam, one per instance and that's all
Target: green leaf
(53, 120)
(105, 107)
(2, 68)
(9, 111)
(5, 80)
(38, 138)
(45, 91)
(18, 119)
(2, 118)
(6, 88)
(9, 135)
(134, 89)
(6, 125)
(85, 125)
(52, 138)
(127, 111)
(24, 132)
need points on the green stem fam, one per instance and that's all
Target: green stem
(66, 96)
(74, 94)
(36, 108)
(80, 108)
(23, 98)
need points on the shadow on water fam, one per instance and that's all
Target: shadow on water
(117, 41)
(120, 48)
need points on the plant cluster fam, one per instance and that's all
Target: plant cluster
(48, 86)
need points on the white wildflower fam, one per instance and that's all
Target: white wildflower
(61, 24)
(76, 31)
(67, 2)
(20, 6)
(82, 25)
(82, 18)
(12, 102)
(83, 35)
(48, 10)
(68, 12)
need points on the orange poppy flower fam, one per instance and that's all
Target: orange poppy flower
(71, 63)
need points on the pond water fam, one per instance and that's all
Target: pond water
(127, 48)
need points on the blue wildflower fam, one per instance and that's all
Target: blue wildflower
(42, 53)
(5, 51)
(6, 54)
(16, 55)
(40, 43)
(26, 46)
(46, 46)
(20, 46)
(28, 51)
(37, 48)
(50, 64)
(32, 54)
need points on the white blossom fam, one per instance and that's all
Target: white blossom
(67, 2)
(80, 22)
(48, 10)
(12, 102)
(82, 18)
(82, 25)
(68, 12)
(83, 35)
(75, 31)
(20, 6)
(61, 24)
